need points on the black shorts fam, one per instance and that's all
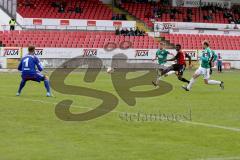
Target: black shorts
(180, 68)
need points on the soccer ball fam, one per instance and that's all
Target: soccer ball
(110, 70)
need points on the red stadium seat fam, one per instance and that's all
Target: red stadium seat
(72, 39)
(190, 41)
(141, 10)
(91, 9)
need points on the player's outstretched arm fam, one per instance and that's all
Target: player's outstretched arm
(171, 54)
(173, 59)
(153, 59)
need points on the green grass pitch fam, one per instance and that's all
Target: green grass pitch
(30, 129)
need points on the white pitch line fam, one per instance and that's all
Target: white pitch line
(212, 125)
(46, 102)
(219, 158)
(188, 122)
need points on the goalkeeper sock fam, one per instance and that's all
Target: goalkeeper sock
(47, 85)
(22, 84)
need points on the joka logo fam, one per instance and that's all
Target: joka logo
(11, 52)
(89, 52)
(167, 26)
(180, 3)
(141, 53)
(38, 52)
(191, 53)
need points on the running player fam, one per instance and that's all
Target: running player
(161, 57)
(28, 66)
(204, 69)
(179, 67)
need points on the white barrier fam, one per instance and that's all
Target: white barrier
(166, 26)
(3, 62)
(226, 32)
(196, 3)
(78, 24)
(231, 56)
(17, 52)
(88, 52)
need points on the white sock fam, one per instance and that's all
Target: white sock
(213, 82)
(170, 72)
(190, 84)
(158, 79)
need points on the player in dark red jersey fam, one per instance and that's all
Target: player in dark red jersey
(178, 67)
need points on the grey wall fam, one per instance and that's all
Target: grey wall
(9, 6)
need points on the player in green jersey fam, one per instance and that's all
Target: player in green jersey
(161, 57)
(204, 69)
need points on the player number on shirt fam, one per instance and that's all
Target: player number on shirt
(26, 62)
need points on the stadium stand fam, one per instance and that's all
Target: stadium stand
(72, 39)
(147, 11)
(194, 41)
(95, 9)
(74, 9)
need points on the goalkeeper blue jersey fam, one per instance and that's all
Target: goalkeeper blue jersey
(29, 64)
